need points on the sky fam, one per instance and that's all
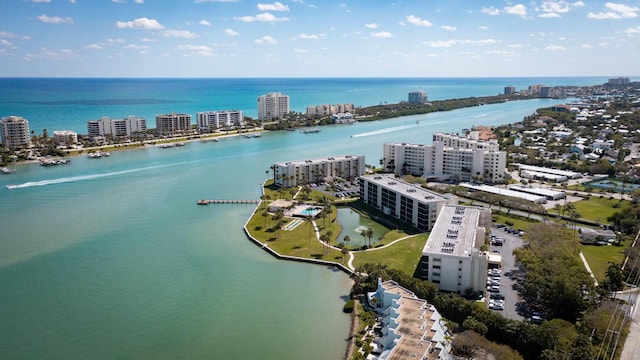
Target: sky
(318, 38)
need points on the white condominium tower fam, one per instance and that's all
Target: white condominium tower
(451, 258)
(211, 120)
(272, 106)
(449, 157)
(116, 127)
(172, 123)
(15, 132)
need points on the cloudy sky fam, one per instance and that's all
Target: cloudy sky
(318, 38)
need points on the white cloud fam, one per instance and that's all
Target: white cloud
(549, 15)
(204, 23)
(276, 6)
(201, 50)
(517, 9)
(450, 43)
(441, 43)
(230, 32)
(138, 1)
(72, 1)
(206, 1)
(10, 35)
(265, 40)
(555, 7)
(490, 11)
(483, 27)
(94, 47)
(41, 1)
(140, 23)
(136, 47)
(632, 31)
(382, 35)
(302, 51)
(185, 34)
(414, 20)
(448, 28)
(555, 48)
(585, 46)
(615, 11)
(264, 17)
(4, 42)
(371, 26)
(55, 19)
(304, 36)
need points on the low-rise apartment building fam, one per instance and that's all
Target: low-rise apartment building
(409, 203)
(301, 172)
(451, 258)
(65, 137)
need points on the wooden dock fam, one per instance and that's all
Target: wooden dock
(227, 201)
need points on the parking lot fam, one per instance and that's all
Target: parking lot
(508, 274)
(340, 189)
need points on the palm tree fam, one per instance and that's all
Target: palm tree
(265, 214)
(346, 240)
(364, 236)
(309, 222)
(323, 238)
(278, 227)
(369, 234)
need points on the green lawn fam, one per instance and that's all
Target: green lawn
(596, 208)
(599, 258)
(519, 222)
(403, 255)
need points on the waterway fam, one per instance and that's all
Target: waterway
(112, 258)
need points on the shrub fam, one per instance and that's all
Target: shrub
(348, 306)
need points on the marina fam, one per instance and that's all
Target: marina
(225, 201)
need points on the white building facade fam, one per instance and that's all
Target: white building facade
(272, 106)
(450, 156)
(410, 325)
(451, 258)
(15, 132)
(300, 172)
(211, 120)
(325, 110)
(65, 137)
(117, 128)
(409, 203)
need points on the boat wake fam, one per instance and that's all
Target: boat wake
(384, 131)
(81, 178)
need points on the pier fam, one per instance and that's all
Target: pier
(226, 201)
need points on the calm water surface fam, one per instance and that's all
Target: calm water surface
(112, 258)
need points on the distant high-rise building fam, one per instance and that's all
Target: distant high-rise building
(172, 123)
(116, 127)
(209, 120)
(509, 90)
(15, 132)
(545, 91)
(418, 97)
(272, 106)
(619, 81)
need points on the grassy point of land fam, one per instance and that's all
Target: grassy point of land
(596, 208)
(403, 255)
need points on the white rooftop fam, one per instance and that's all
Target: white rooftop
(454, 231)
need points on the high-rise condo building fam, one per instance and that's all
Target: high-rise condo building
(15, 132)
(409, 203)
(117, 128)
(173, 123)
(272, 106)
(449, 157)
(211, 120)
(451, 258)
(418, 97)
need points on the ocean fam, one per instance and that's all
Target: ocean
(112, 258)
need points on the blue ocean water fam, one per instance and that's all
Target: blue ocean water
(112, 258)
(67, 104)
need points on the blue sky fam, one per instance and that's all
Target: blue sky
(318, 38)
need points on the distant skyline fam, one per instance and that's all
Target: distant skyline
(305, 38)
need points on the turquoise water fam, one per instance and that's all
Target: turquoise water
(112, 258)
